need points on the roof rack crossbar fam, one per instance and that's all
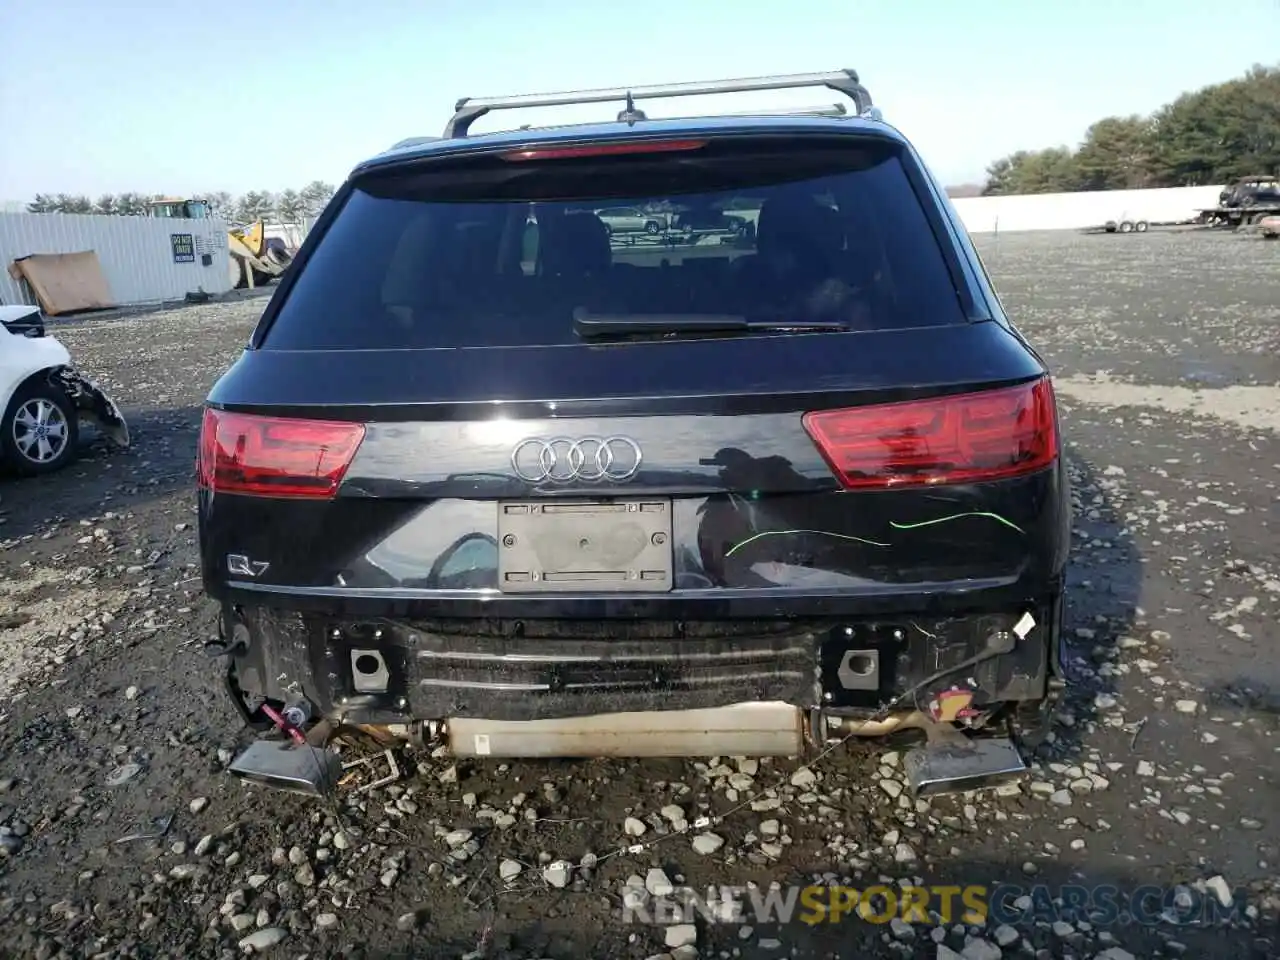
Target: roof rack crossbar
(469, 109)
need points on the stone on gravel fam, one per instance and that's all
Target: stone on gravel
(674, 815)
(658, 883)
(198, 804)
(1185, 706)
(706, 844)
(1217, 885)
(681, 935)
(263, 939)
(804, 778)
(901, 930)
(979, 949)
(123, 774)
(633, 827)
(326, 921)
(509, 870)
(1005, 935)
(1115, 953)
(240, 922)
(558, 874)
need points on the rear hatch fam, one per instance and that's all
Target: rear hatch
(474, 387)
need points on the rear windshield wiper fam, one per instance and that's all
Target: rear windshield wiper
(622, 324)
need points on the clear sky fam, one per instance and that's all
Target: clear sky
(199, 96)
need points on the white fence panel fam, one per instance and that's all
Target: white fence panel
(1076, 211)
(140, 259)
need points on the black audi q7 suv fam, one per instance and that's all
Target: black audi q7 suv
(492, 475)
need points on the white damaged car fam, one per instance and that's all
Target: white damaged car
(44, 399)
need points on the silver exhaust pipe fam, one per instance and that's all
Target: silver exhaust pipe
(292, 767)
(954, 763)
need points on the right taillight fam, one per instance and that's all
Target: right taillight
(961, 438)
(275, 456)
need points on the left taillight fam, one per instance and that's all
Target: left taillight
(274, 456)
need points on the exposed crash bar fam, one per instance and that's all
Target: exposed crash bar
(744, 729)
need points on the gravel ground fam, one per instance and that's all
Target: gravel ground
(1163, 769)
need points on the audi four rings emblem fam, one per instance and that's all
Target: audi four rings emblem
(562, 459)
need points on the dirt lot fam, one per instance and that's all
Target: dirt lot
(1164, 772)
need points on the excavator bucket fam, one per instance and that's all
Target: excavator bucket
(254, 237)
(253, 263)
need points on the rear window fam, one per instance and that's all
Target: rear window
(481, 251)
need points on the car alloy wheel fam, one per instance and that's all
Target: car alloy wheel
(40, 431)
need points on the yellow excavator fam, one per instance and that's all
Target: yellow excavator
(254, 259)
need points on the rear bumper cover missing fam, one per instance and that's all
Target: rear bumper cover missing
(390, 672)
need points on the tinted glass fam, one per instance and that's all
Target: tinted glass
(487, 252)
